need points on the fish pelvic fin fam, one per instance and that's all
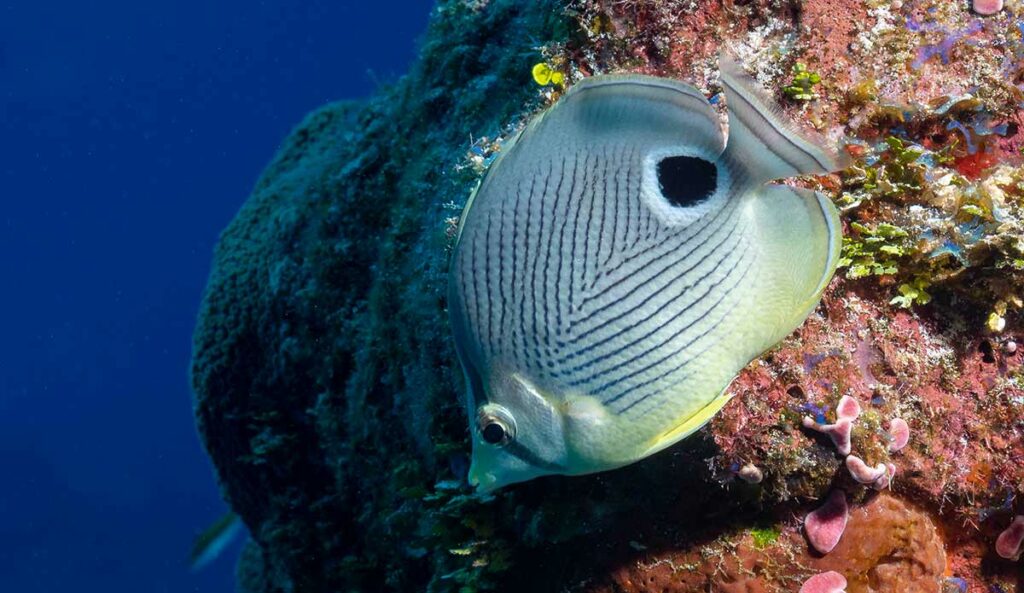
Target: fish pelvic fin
(762, 142)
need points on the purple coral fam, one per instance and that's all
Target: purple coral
(943, 47)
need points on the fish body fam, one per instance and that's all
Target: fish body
(621, 262)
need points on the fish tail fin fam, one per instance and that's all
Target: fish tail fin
(214, 539)
(762, 143)
(799, 236)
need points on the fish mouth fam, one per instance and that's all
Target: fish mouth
(482, 481)
(491, 469)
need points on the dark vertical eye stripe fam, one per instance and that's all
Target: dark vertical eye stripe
(517, 449)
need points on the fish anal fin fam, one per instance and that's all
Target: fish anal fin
(762, 141)
(687, 426)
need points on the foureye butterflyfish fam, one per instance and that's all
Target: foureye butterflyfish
(621, 262)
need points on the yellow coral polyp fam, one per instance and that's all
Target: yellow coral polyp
(544, 75)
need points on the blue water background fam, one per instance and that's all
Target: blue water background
(130, 133)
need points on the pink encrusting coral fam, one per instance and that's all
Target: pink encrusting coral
(1008, 544)
(864, 473)
(899, 433)
(839, 432)
(825, 525)
(825, 582)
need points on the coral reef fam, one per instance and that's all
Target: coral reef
(329, 398)
(887, 546)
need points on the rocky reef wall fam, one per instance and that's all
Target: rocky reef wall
(329, 397)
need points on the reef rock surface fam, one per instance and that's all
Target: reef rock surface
(328, 395)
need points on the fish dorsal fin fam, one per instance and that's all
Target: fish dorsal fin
(612, 109)
(634, 109)
(761, 141)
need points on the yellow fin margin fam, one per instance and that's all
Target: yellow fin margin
(688, 426)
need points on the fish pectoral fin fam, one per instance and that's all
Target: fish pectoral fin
(687, 426)
(798, 237)
(762, 142)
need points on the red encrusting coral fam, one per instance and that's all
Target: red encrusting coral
(888, 546)
(967, 458)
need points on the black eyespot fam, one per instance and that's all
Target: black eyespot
(493, 433)
(686, 180)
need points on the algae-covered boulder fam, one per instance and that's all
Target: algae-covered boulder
(329, 397)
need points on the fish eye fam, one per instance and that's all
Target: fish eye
(686, 180)
(494, 433)
(496, 425)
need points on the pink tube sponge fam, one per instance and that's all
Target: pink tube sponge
(987, 7)
(825, 525)
(864, 473)
(899, 432)
(847, 408)
(1008, 543)
(839, 432)
(886, 480)
(825, 582)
